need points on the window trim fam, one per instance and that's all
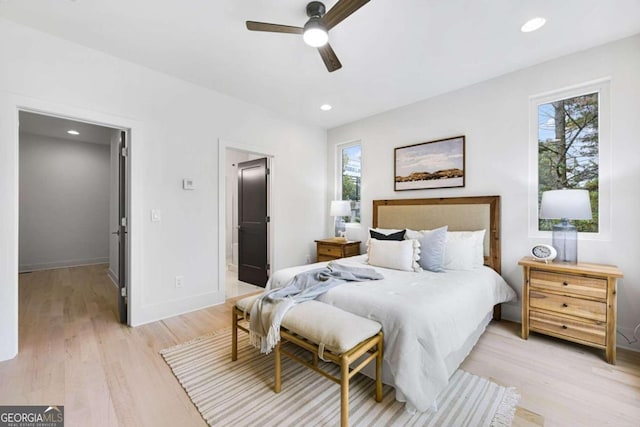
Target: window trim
(603, 88)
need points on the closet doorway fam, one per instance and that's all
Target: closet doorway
(73, 214)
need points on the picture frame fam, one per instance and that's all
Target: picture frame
(430, 165)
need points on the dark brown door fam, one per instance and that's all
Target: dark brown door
(252, 222)
(122, 229)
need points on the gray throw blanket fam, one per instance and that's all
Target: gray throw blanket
(270, 308)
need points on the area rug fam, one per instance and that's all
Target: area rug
(241, 393)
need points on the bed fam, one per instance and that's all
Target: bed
(430, 320)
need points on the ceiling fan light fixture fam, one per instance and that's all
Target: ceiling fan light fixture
(315, 34)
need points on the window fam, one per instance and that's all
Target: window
(568, 151)
(570, 141)
(349, 162)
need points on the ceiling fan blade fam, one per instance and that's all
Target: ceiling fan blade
(273, 28)
(329, 57)
(341, 11)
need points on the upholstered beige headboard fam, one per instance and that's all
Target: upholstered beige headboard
(459, 213)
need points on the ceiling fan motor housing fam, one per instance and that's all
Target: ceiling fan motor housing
(316, 9)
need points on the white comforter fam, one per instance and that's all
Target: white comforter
(427, 319)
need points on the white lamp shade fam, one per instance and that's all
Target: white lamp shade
(340, 208)
(570, 204)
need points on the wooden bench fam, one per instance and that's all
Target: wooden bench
(328, 333)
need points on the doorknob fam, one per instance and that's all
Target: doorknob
(117, 233)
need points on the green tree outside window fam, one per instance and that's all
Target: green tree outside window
(351, 177)
(568, 152)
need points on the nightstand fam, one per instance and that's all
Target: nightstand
(330, 249)
(575, 302)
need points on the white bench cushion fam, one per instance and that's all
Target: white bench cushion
(245, 304)
(322, 323)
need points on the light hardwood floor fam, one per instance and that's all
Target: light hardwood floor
(74, 353)
(235, 287)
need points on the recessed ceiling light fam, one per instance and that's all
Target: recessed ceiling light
(326, 107)
(533, 24)
(73, 132)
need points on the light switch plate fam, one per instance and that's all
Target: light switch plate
(156, 215)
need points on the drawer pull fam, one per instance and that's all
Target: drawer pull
(565, 305)
(565, 283)
(564, 327)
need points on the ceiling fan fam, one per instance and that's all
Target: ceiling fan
(316, 31)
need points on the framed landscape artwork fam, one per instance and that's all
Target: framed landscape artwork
(433, 164)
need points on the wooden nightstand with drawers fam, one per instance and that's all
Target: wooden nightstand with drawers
(330, 249)
(575, 302)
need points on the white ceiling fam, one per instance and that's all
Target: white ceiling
(393, 52)
(54, 127)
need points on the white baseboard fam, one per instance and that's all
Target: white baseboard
(25, 268)
(114, 277)
(154, 312)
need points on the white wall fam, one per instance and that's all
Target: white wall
(175, 128)
(494, 117)
(64, 203)
(114, 205)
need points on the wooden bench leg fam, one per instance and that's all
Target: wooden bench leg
(379, 369)
(234, 335)
(344, 392)
(278, 368)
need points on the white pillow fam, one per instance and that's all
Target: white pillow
(413, 234)
(398, 255)
(464, 250)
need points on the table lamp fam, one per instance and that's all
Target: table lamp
(338, 209)
(565, 205)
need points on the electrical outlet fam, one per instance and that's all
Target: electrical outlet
(179, 281)
(308, 260)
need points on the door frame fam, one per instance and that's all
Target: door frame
(123, 200)
(223, 145)
(10, 107)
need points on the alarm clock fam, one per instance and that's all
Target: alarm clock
(544, 253)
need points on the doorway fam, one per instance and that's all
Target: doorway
(239, 235)
(73, 205)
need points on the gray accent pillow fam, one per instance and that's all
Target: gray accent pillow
(432, 245)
